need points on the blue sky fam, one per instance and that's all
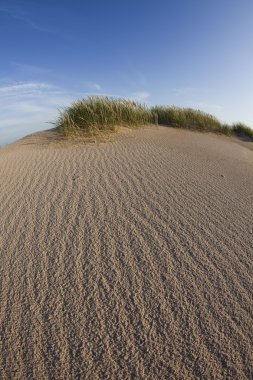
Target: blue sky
(189, 53)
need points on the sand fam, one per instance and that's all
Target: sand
(130, 259)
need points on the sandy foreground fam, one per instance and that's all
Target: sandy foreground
(130, 259)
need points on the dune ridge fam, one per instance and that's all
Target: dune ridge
(127, 260)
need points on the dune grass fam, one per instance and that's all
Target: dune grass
(100, 115)
(242, 130)
(190, 119)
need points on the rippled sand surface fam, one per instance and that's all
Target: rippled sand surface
(130, 259)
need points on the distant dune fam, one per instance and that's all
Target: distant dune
(131, 259)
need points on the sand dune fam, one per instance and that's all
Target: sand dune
(127, 260)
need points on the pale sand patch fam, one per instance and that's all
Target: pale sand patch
(127, 260)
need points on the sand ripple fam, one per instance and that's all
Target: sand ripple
(127, 260)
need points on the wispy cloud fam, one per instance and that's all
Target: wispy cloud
(93, 86)
(17, 13)
(22, 88)
(205, 106)
(141, 95)
(20, 15)
(28, 106)
(25, 68)
(181, 91)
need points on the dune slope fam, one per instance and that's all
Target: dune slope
(127, 260)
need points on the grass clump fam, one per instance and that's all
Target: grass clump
(198, 120)
(96, 114)
(189, 118)
(242, 130)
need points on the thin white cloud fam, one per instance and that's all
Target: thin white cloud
(141, 95)
(22, 87)
(181, 91)
(205, 106)
(17, 13)
(93, 86)
(102, 94)
(29, 69)
(29, 106)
